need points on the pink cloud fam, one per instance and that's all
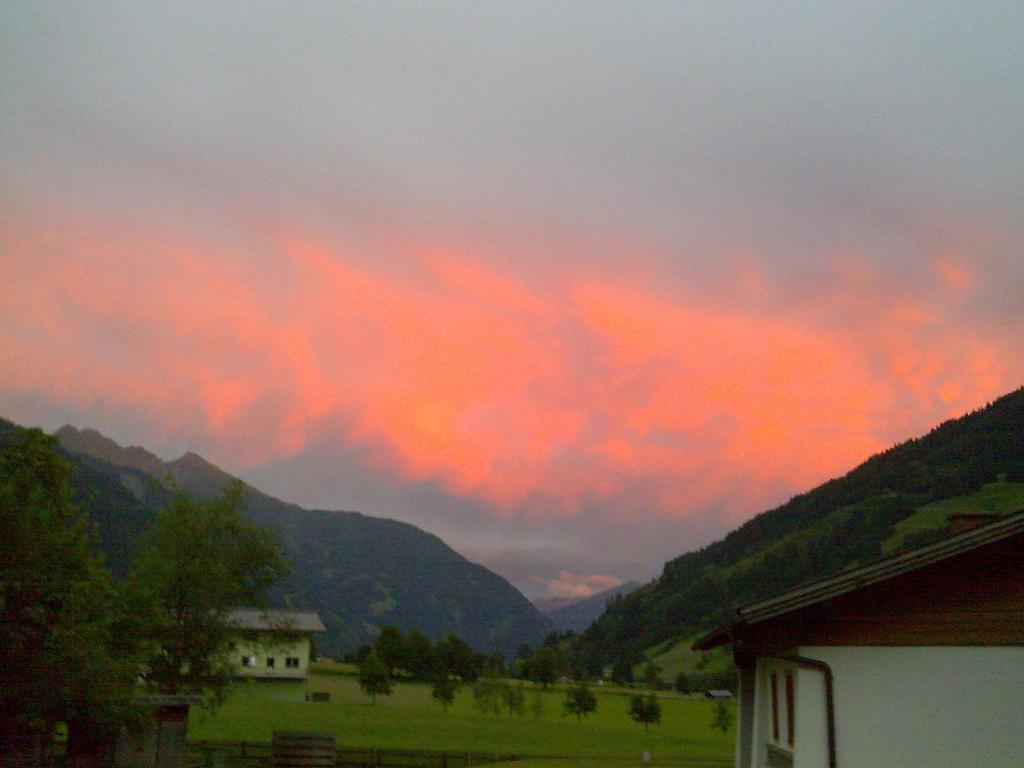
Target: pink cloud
(537, 392)
(578, 585)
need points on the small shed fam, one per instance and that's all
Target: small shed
(916, 660)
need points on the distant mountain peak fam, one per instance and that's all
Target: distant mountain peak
(93, 443)
(190, 460)
(189, 472)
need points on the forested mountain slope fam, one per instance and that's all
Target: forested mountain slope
(841, 523)
(358, 572)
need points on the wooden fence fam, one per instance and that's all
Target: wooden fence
(247, 754)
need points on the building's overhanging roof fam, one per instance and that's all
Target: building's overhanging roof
(856, 578)
(281, 621)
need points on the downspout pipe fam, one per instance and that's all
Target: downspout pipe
(830, 709)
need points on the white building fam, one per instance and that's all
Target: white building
(273, 645)
(914, 661)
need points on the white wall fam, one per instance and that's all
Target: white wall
(266, 646)
(930, 707)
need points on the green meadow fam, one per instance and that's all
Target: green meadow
(677, 655)
(411, 719)
(1001, 496)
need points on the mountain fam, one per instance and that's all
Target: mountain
(358, 572)
(580, 614)
(892, 501)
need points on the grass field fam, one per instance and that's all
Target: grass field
(676, 655)
(1001, 497)
(410, 719)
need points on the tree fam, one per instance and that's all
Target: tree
(622, 670)
(373, 677)
(645, 709)
(580, 700)
(515, 699)
(419, 661)
(390, 647)
(723, 716)
(489, 694)
(444, 689)
(358, 656)
(682, 684)
(494, 665)
(651, 671)
(202, 561)
(455, 657)
(58, 648)
(544, 666)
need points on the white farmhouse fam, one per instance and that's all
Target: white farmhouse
(914, 661)
(274, 645)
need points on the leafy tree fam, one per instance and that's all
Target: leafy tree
(682, 683)
(515, 699)
(580, 700)
(420, 660)
(651, 672)
(444, 689)
(521, 663)
(494, 665)
(202, 561)
(390, 647)
(544, 666)
(645, 709)
(488, 695)
(373, 677)
(455, 657)
(622, 670)
(58, 649)
(358, 656)
(722, 718)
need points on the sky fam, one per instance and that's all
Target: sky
(577, 286)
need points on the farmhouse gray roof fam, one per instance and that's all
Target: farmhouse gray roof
(848, 581)
(283, 621)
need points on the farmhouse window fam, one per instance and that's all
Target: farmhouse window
(270, 662)
(248, 661)
(291, 662)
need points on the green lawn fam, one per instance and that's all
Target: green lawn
(410, 719)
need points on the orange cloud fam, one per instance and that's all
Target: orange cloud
(578, 585)
(535, 397)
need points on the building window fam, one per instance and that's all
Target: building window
(270, 662)
(248, 661)
(775, 707)
(291, 662)
(790, 708)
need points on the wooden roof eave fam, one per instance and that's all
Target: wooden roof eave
(842, 583)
